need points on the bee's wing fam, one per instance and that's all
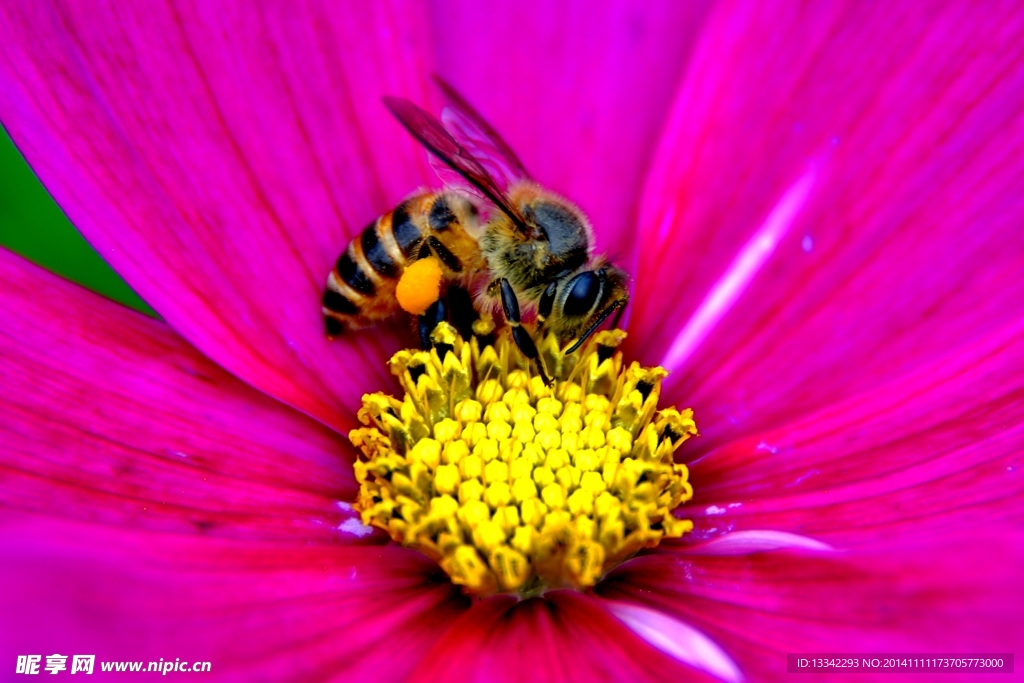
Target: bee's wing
(452, 178)
(433, 135)
(481, 140)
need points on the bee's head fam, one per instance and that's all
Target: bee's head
(581, 302)
(559, 225)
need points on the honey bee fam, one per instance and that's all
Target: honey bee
(492, 229)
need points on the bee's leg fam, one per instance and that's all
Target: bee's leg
(429, 320)
(547, 302)
(461, 312)
(520, 335)
(618, 305)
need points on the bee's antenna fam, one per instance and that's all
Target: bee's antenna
(619, 304)
(618, 314)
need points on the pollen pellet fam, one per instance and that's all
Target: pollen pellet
(419, 286)
(513, 485)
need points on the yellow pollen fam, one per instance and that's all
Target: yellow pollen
(419, 286)
(515, 486)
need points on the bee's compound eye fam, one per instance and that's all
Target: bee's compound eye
(584, 292)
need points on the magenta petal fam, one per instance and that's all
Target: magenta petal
(677, 639)
(937, 449)
(563, 636)
(579, 89)
(752, 541)
(960, 593)
(220, 158)
(876, 158)
(110, 416)
(255, 611)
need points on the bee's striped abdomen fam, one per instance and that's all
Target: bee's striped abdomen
(361, 287)
(381, 260)
(402, 229)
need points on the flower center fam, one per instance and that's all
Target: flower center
(515, 486)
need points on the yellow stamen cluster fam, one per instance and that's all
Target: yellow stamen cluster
(515, 486)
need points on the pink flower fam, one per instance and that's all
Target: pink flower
(822, 210)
